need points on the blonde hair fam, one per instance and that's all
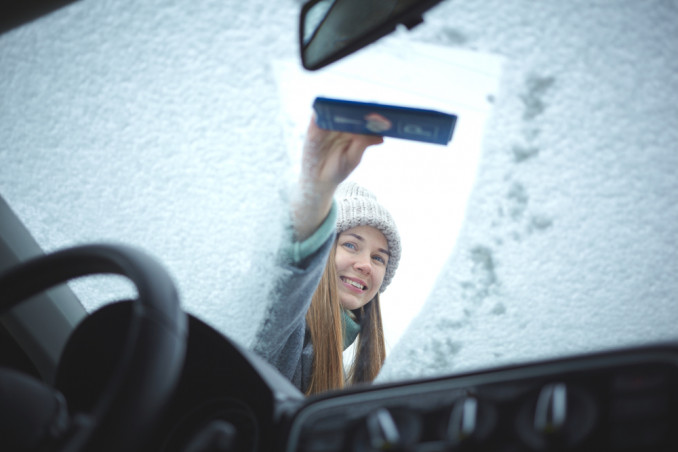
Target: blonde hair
(323, 320)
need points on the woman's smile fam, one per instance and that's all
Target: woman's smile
(354, 284)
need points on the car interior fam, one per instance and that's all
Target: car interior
(142, 374)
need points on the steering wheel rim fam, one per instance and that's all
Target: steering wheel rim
(154, 348)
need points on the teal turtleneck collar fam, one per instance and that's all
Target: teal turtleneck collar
(349, 327)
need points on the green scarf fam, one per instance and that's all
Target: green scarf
(349, 327)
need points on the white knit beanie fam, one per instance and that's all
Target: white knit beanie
(357, 206)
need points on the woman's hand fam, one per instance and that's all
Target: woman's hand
(329, 158)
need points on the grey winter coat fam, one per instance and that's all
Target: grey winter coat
(282, 339)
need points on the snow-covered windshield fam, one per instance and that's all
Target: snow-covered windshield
(546, 227)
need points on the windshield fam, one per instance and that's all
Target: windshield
(168, 127)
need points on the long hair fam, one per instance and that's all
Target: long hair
(370, 350)
(324, 324)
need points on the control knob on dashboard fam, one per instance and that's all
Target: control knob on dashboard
(388, 429)
(558, 417)
(471, 422)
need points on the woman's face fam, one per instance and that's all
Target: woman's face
(361, 259)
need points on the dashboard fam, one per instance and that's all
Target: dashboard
(620, 400)
(624, 400)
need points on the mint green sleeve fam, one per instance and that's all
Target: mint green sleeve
(297, 252)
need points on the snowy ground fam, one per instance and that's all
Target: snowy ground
(163, 125)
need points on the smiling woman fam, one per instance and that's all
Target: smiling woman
(330, 295)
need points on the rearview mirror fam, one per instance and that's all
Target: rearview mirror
(332, 29)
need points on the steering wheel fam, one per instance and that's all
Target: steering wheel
(148, 371)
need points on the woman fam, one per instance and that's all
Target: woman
(342, 254)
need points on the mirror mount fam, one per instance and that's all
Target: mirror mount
(414, 22)
(332, 29)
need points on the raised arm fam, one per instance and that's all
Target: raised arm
(328, 159)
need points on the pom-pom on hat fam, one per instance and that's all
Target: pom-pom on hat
(357, 206)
